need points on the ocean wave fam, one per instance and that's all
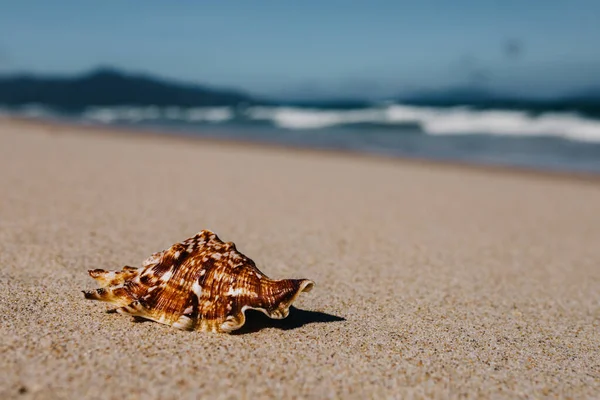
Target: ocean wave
(298, 118)
(109, 115)
(457, 121)
(33, 110)
(403, 118)
(438, 121)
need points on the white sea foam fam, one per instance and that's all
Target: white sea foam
(210, 114)
(458, 121)
(109, 115)
(439, 121)
(431, 120)
(297, 118)
(34, 110)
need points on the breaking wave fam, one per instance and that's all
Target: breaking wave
(428, 120)
(439, 121)
(139, 114)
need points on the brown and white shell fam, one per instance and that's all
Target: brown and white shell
(201, 283)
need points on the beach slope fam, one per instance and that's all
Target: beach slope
(432, 280)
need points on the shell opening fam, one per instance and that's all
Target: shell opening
(307, 286)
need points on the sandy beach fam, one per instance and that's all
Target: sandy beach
(432, 280)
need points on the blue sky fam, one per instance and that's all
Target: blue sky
(314, 48)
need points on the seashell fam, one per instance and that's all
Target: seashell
(201, 284)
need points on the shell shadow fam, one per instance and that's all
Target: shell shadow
(256, 320)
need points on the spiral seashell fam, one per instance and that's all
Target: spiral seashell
(201, 284)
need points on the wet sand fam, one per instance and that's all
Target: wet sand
(432, 280)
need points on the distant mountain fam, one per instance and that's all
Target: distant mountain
(109, 87)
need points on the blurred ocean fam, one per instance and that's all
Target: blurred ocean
(551, 140)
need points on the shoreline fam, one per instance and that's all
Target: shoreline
(164, 133)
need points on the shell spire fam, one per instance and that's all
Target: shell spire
(201, 283)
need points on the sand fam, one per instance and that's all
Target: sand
(432, 280)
